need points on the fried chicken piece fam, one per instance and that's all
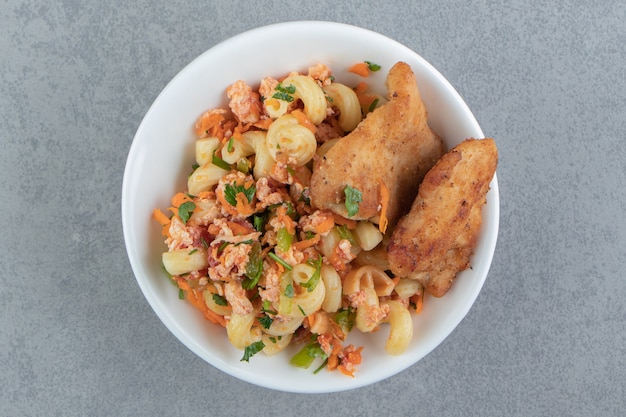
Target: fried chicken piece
(393, 145)
(435, 240)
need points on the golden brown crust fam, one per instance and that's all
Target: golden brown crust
(435, 240)
(392, 145)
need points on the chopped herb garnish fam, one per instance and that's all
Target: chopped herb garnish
(372, 67)
(194, 250)
(254, 267)
(353, 198)
(185, 210)
(259, 220)
(266, 322)
(322, 366)
(373, 105)
(302, 310)
(267, 307)
(345, 318)
(230, 146)
(345, 233)
(305, 356)
(219, 300)
(222, 246)
(165, 270)
(219, 162)
(315, 278)
(231, 191)
(283, 240)
(205, 244)
(181, 294)
(289, 291)
(252, 350)
(193, 168)
(243, 165)
(280, 260)
(285, 93)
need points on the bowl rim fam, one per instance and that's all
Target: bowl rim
(159, 308)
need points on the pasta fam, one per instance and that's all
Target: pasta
(247, 248)
(346, 100)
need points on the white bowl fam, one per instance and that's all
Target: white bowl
(162, 153)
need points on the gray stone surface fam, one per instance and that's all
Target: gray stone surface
(547, 334)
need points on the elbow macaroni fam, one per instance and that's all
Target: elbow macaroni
(286, 136)
(311, 94)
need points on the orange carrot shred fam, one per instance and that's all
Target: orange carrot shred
(160, 217)
(360, 68)
(303, 244)
(239, 229)
(180, 198)
(349, 223)
(304, 120)
(384, 205)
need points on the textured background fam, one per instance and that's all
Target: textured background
(547, 334)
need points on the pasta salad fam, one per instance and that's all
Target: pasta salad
(247, 247)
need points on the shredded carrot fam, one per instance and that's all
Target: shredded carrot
(287, 221)
(360, 68)
(239, 229)
(206, 195)
(326, 225)
(349, 223)
(226, 205)
(198, 302)
(304, 120)
(384, 205)
(303, 244)
(361, 88)
(243, 207)
(180, 198)
(160, 217)
(418, 300)
(263, 124)
(208, 123)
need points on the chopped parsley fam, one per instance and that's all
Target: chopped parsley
(193, 168)
(181, 294)
(266, 322)
(372, 66)
(353, 198)
(252, 350)
(194, 250)
(285, 93)
(345, 318)
(254, 267)
(185, 211)
(231, 191)
(259, 220)
(219, 300)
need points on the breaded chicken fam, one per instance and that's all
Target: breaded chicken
(393, 145)
(435, 240)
